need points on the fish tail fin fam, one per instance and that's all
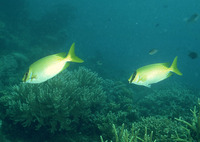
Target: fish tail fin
(174, 67)
(71, 55)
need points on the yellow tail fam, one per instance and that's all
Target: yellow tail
(174, 67)
(71, 55)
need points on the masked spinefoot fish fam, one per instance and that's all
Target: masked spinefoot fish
(153, 73)
(50, 66)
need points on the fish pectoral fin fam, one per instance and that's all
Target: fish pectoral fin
(33, 77)
(142, 79)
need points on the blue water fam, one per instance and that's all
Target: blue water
(124, 32)
(114, 39)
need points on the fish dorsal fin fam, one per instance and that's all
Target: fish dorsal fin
(166, 64)
(63, 54)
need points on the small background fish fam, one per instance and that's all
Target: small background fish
(192, 18)
(153, 51)
(193, 55)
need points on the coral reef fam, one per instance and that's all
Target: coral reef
(118, 108)
(124, 135)
(162, 127)
(79, 106)
(156, 111)
(170, 102)
(192, 130)
(62, 103)
(9, 64)
(74, 102)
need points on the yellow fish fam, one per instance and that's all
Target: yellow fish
(50, 66)
(154, 73)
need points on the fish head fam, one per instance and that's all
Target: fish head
(28, 77)
(138, 80)
(132, 78)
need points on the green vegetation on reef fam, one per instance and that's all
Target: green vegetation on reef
(192, 130)
(130, 136)
(59, 104)
(9, 64)
(81, 106)
(73, 102)
(175, 132)
(167, 101)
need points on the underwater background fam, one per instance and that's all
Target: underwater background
(93, 101)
